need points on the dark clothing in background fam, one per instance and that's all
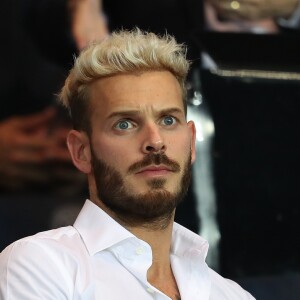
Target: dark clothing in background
(256, 173)
(183, 19)
(36, 52)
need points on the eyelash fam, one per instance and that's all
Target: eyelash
(175, 120)
(121, 121)
(162, 119)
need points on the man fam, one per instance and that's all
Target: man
(126, 98)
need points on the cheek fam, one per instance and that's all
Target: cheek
(110, 155)
(113, 153)
(180, 147)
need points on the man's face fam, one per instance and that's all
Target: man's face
(141, 145)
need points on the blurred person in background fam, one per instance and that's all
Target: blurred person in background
(40, 38)
(263, 16)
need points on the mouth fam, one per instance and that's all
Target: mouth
(153, 171)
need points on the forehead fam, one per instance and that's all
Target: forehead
(152, 90)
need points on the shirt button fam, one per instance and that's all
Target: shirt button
(150, 290)
(139, 251)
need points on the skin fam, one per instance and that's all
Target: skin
(27, 143)
(149, 106)
(88, 23)
(151, 209)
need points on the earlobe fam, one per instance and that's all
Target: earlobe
(192, 128)
(79, 148)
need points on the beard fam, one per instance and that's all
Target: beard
(152, 209)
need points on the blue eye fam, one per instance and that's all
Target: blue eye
(123, 125)
(169, 120)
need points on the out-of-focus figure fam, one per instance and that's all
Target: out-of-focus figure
(37, 178)
(32, 131)
(255, 16)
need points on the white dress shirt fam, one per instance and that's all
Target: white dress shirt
(97, 258)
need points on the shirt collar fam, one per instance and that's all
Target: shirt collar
(99, 231)
(185, 241)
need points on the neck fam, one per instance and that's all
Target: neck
(160, 273)
(158, 234)
(158, 237)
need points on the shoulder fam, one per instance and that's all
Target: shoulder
(52, 239)
(222, 288)
(49, 245)
(35, 265)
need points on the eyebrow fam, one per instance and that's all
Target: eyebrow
(122, 113)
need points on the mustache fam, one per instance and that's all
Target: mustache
(155, 159)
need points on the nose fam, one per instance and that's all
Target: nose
(153, 141)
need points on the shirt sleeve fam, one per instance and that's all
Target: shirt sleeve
(29, 271)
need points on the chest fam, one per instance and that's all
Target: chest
(109, 277)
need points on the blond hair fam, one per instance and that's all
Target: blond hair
(122, 52)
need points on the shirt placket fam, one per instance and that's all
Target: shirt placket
(136, 257)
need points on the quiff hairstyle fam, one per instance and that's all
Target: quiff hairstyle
(122, 52)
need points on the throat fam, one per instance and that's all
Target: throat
(166, 284)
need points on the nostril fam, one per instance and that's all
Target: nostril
(149, 148)
(155, 149)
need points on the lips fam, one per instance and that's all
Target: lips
(155, 170)
(155, 163)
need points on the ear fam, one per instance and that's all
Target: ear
(192, 129)
(79, 148)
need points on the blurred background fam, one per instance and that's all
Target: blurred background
(243, 93)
